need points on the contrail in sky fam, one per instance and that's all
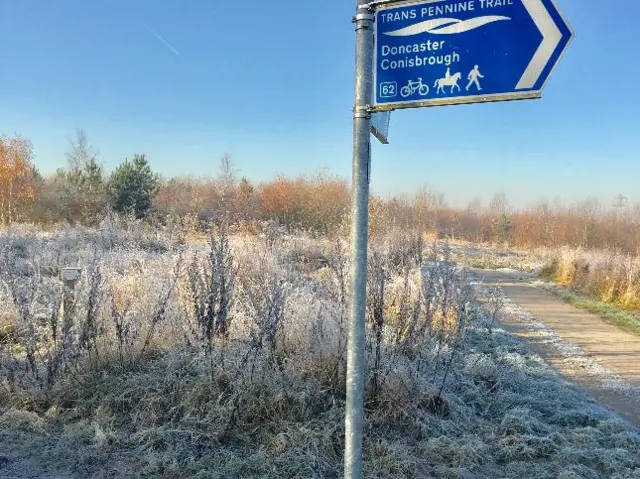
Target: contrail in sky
(157, 35)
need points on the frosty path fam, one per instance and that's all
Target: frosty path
(580, 345)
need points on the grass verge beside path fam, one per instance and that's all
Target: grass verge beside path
(627, 320)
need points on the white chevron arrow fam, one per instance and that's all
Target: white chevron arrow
(551, 38)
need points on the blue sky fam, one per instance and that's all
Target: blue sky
(271, 83)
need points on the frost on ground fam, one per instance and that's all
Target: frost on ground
(572, 354)
(525, 264)
(227, 360)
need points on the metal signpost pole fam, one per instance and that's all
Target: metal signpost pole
(432, 53)
(354, 414)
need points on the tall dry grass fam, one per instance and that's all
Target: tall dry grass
(612, 277)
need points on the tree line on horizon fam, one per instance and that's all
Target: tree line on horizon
(83, 193)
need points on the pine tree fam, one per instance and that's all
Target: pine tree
(504, 227)
(133, 187)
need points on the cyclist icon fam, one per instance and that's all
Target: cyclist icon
(412, 87)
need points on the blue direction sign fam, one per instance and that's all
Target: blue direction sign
(443, 52)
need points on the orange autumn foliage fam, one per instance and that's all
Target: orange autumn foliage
(318, 202)
(17, 189)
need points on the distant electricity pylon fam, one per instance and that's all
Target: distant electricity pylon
(621, 202)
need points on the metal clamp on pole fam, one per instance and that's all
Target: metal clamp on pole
(364, 21)
(364, 17)
(362, 112)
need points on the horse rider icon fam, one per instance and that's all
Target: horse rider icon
(473, 77)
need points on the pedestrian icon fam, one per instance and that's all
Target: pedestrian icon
(473, 77)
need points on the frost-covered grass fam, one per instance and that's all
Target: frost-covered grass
(141, 377)
(489, 256)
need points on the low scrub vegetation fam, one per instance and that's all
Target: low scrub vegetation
(83, 192)
(227, 359)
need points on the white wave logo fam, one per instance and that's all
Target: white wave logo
(447, 26)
